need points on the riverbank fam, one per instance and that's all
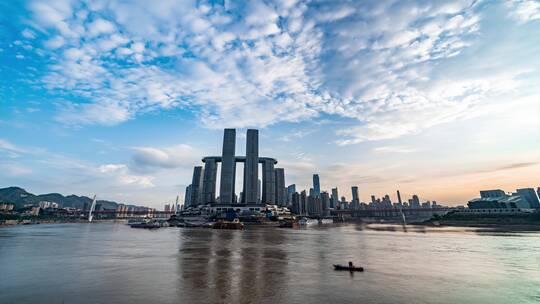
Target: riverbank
(518, 222)
(38, 220)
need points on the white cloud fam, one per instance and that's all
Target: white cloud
(264, 63)
(121, 173)
(100, 26)
(55, 42)
(28, 34)
(11, 148)
(170, 157)
(394, 149)
(525, 10)
(112, 168)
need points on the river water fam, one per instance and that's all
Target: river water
(112, 263)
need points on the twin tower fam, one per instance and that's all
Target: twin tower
(203, 186)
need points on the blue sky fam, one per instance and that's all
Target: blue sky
(123, 98)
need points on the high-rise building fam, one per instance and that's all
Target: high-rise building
(530, 196)
(354, 190)
(295, 202)
(269, 182)
(209, 181)
(415, 202)
(325, 203)
(303, 203)
(343, 204)
(281, 191)
(387, 202)
(259, 191)
(314, 205)
(290, 190)
(399, 198)
(196, 186)
(316, 185)
(251, 166)
(334, 200)
(187, 198)
(228, 167)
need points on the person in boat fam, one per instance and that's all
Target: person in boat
(351, 264)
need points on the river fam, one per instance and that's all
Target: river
(113, 263)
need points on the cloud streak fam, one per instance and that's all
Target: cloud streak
(237, 65)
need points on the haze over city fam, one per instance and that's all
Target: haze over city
(123, 98)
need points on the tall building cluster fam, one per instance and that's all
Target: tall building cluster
(318, 202)
(264, 184)
(270, 190)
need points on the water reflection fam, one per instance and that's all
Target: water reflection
(112, 263)
(222, 266)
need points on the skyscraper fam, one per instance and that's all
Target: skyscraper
(415, 203)
(334, 201)
(290, 190)
(295, 202)
(269, 182)
(399, 198)
(187, 198)
(303, 203)
(196, 186)
(259, 190)
(228, 167)
(209, 182)
(325, 203)
(355, 198)
(280, 187)
(316, 185)
(251, 166)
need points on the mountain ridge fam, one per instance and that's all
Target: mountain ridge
(20, 197)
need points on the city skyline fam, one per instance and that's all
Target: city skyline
(99, 98)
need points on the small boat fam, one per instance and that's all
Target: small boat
(146, 225)
(289, 224)
(348, 268)
(326, 221)
(136, 221)
(236, 224)
(306, 221)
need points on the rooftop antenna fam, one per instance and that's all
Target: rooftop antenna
(92, 207)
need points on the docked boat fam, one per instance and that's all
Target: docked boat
(307, 221)
(326, 221)
(347, 268)
(146, 224)
(203, 224)
(289, 224)
(236, 224)
(136, 221)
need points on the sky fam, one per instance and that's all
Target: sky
(122, 98)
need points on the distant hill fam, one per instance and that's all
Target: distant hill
(20, 197)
